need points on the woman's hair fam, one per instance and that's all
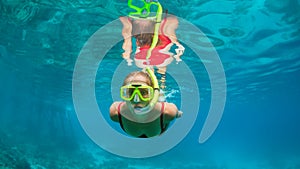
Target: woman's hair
(131, 77)
(143, 31)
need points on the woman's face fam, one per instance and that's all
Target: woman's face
(136, 101)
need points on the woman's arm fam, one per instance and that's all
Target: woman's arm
(126, 33)
(169, 30)
(170, 26)
(113, 111)
(171, 112)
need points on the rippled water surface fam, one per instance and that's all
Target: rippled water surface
(258, 42)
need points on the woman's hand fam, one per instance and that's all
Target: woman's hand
(129, 61)
(179, 51)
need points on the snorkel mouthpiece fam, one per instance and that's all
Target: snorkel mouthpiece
(144, 12)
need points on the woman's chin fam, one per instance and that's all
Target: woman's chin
(138, 108)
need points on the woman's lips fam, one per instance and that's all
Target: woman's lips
(138, 106)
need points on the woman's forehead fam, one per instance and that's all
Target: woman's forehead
(143, 21)
(139, 78)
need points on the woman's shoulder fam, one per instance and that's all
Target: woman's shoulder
(114, 111)
(171, 19)
(125, 20)
(169, 110)
(115, 105)
(170, 24)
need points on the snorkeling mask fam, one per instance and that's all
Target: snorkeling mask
(129, 92)
(144, 92)
(144, 12)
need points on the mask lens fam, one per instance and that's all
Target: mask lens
(145, 93)
(127, 92)
(130, 91)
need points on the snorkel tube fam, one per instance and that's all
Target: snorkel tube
(144, 12)
(155, 87)
(157, 25)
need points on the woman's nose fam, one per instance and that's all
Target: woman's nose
(136, 98)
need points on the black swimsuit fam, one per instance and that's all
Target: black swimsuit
(163, 128)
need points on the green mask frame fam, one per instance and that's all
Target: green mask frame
(155, 90)
(144, 92)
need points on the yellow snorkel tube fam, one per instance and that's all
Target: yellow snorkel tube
(155, 87)
(156, 29)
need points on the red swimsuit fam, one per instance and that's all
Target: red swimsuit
(157, 58)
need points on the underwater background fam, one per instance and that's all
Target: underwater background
(258, 42)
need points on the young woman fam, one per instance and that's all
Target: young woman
(140, 115)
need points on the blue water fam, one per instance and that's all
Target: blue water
(257, 41)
